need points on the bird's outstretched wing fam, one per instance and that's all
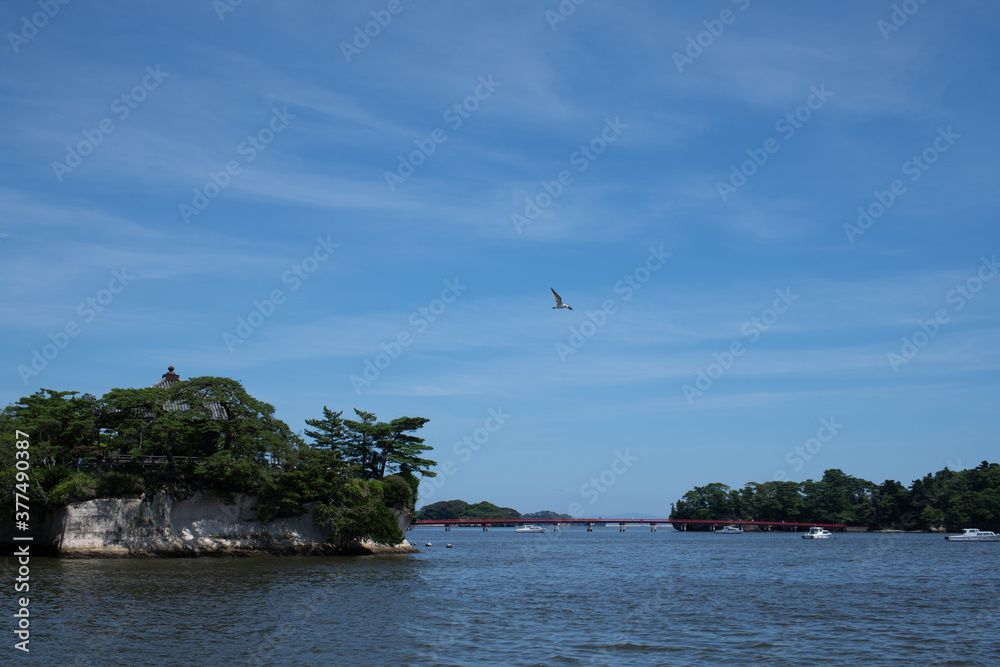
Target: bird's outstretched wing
(558, 298)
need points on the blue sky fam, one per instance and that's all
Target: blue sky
(689, 178)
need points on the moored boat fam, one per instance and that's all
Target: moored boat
(729, 530)
(529, 528)
(817, 533)
(974, 535)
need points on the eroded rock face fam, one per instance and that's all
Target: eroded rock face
(117, 527)
(200, 525)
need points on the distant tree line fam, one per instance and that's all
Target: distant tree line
(212, 435)
(459, 509)
(946, 500)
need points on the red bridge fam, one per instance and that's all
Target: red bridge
(681, 524)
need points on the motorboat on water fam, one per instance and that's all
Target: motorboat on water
(817, 533)
(529, 528)
(974, 535)
(730, 530)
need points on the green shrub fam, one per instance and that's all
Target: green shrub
(396, 492)
(358, 512)
(76, 487)
(119, 484)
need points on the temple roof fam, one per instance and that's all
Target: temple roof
(169, 378)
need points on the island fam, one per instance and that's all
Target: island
(446, 510)
(946, 501)
(199, 467)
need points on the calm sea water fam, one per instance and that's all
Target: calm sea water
(566, 598)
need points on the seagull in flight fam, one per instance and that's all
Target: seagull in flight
(559, 303)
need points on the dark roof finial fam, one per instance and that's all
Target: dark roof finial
(170, 376)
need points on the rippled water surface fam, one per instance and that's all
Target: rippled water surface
(566, 598)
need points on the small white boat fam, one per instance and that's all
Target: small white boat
(730, 530)
(974, 535)
(529, 528)
(817, 533)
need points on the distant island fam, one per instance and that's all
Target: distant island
(945, 501)
(459, 509)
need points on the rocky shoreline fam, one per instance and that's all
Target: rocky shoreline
(161, 526)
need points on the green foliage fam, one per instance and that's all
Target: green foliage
(61, 425)
(397, 491)
(459, 509)
(383, 448)
(375, 448)
(75, 487)
(226, 474)
(706, 502)
(307, 475)
(138, 422)
(414, 483)
(359, 512)
(485, 510)
(119, 485)
(330, 433)
(443, 509)
(546, 514)
(946, 500)
(196, 417)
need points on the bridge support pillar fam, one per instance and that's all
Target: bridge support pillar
(447, 528)
(621, 528)
(485, 527)
(590, 527)
(652, 527)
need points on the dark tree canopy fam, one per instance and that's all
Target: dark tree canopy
(377, 448)
(62, 424)
(945, 500)
(195, 417)
(459, 509)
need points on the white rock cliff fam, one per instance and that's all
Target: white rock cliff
(203, 524)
